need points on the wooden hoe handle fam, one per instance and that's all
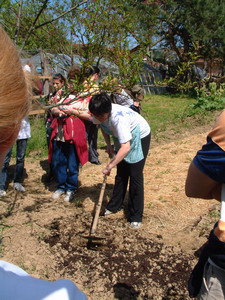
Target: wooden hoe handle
(98, 207)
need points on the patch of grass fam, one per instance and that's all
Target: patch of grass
(161, 199)
(214, 214)
(163, 110)
(151, 205)
(78, 202)
(188, 159)
(38, 141)
(172, 112)
(176, 189)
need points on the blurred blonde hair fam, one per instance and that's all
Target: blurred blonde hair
(14, 92)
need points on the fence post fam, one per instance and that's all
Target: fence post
(44, 64)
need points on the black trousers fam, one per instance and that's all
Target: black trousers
(134, 173)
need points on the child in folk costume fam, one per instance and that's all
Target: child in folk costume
(68, 145)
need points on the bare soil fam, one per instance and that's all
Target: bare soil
(47, 237)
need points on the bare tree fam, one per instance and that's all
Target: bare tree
(18, 21)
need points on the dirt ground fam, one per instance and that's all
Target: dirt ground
(47, 237)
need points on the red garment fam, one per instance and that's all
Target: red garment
(74, 132)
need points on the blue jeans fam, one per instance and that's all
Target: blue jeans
(21, 146)
(65, 165)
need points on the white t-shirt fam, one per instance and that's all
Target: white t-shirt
(122, 121)
(16, 284)
(24, 132)
(27, 68)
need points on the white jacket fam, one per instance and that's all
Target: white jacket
(16, 284)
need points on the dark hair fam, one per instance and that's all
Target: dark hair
(137, 92)
(60, 77)
(80, 75)
(100, 104)
(91, 71)
(75, 73)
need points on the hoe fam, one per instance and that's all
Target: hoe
(93, 241)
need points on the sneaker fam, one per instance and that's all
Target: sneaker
(69, 196)
(135, 225)
(2, 193)
(107, 212)
(18, 187)
(57, 194)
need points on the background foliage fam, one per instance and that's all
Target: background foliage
(110, 28)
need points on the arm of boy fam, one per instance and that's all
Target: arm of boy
(123, 151)
(220, 230)
(109, 147)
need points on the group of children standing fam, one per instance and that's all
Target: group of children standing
(75, 120)
(77, 110)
